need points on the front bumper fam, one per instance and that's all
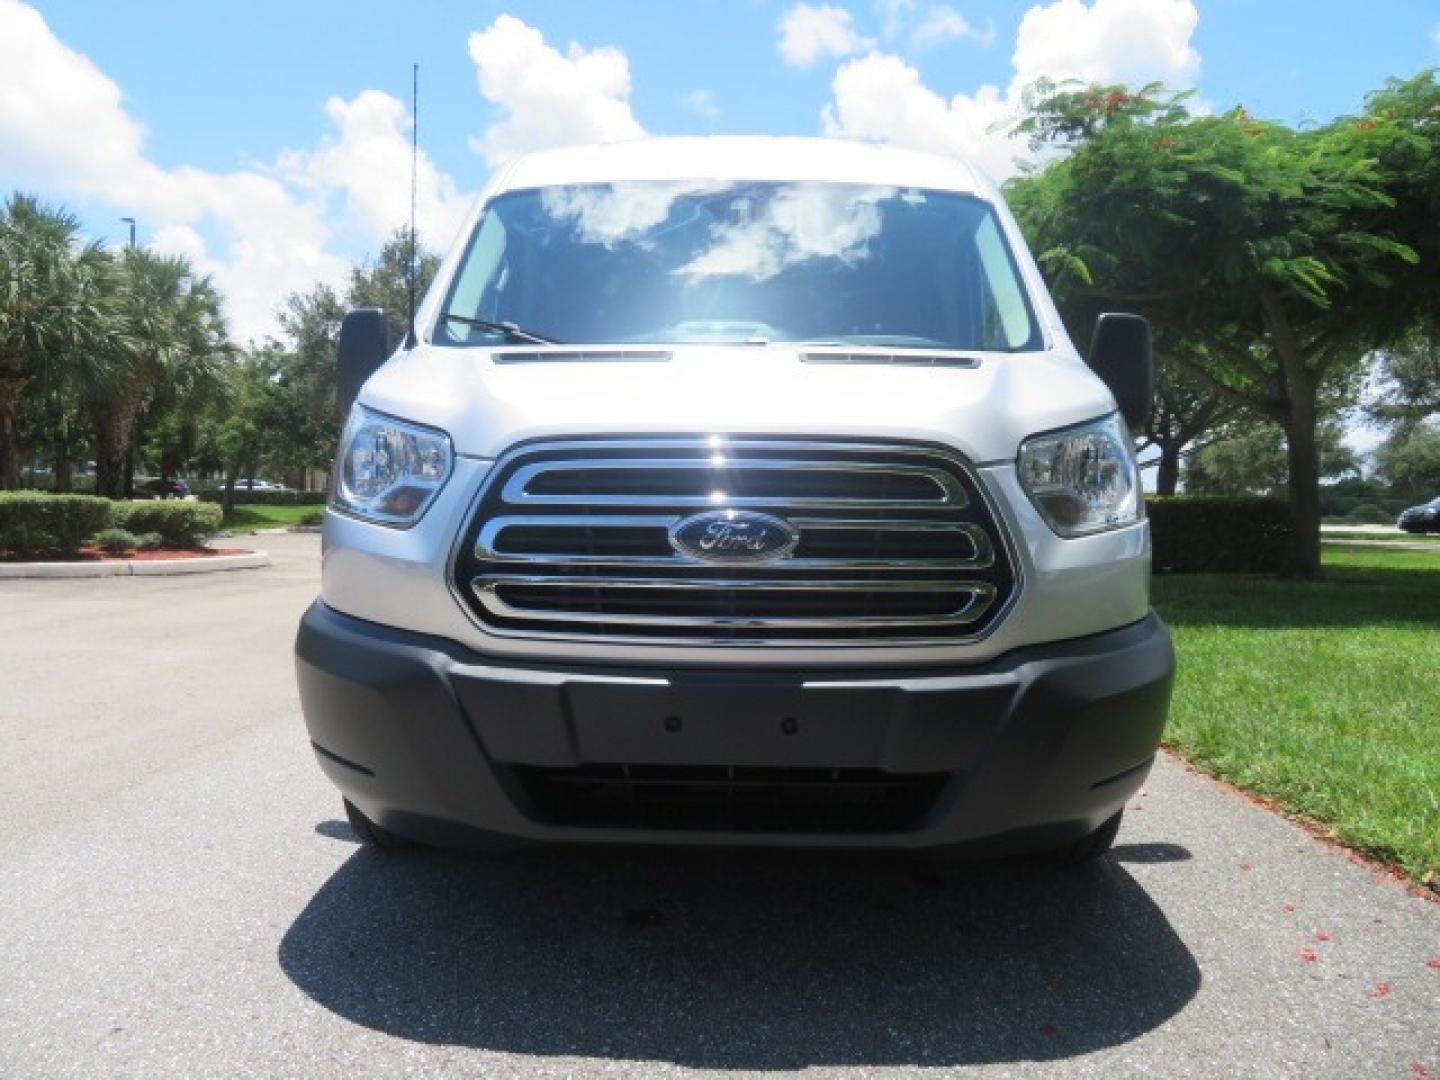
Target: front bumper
(440, 744)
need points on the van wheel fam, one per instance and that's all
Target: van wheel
(1089, 848)
(373, 835)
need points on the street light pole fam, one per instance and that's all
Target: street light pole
(131, 222)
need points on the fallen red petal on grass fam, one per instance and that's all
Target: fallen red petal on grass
(1381, 990)
(1321, 935)
(1308, 955)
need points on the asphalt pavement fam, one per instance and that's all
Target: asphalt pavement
(179, 896)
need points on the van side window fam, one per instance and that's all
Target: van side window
(478, 289)
(1006, 319)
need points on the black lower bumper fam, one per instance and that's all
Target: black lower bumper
(443, 745)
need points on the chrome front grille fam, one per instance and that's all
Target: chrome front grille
(896, 543)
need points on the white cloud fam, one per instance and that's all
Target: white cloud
(895, 14)
(367, 162)
(267, 230)
(64, 130)
(60, 116)
(1108, 41)
(549, 98)
(261, 232)
(943, 24)
(881, 98)
(702, 103)
(811, 32)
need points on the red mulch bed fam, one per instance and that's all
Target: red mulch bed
(90, 554)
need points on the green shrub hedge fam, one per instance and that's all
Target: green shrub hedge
(179, 523)
(116, 541)
(1204, 533)
(42, 523)
(265, 498)
(1371, 514)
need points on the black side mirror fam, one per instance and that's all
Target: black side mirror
(364, 345)
(1120, 354)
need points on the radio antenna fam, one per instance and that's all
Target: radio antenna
(410, 335)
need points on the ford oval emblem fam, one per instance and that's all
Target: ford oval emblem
(733, 536)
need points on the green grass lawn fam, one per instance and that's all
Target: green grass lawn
(267, 517)
(1324, 696)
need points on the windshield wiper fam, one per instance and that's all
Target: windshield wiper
(509, 329)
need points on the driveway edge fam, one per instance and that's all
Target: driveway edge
(135, 567)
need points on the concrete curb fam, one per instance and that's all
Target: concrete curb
(135, 567)
(282, 530)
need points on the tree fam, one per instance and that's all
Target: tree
(173, 333)
(169, 425)
(1283, 256)
(385, 283)
(254, 425)
(1409, 377)
(306, 405)
(1410, 460)
(1253, 461)
(305, 370)
(1185, 410)
(53, 307)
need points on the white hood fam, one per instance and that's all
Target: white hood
(983, 411)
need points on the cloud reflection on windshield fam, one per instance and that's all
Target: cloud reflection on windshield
(747, 237)
(802, 221)
(619, 213)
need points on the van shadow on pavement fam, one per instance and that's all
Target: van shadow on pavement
(743, 960)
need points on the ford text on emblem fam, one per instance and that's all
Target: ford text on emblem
(733, 536)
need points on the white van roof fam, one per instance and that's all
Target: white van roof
(743, 158)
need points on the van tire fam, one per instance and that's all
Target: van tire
(372, 835)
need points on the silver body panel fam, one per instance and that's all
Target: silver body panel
(982, 405)
(1070, 588)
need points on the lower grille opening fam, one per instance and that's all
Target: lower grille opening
(730, 799)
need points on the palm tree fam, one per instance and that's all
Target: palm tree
(174, 338)
(54, 295)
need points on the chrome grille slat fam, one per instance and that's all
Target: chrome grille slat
(517, 488)
(574, 540)
(490, 546)
(976, 598)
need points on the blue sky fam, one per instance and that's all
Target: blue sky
(266, 140)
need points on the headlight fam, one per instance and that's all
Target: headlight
(1084, 479)
(389, 471)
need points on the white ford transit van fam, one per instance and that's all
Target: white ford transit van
(738, 491)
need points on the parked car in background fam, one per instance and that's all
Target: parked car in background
(259, 485)
(1424, 518)
(167, 489)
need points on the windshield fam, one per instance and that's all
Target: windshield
(688, 262)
